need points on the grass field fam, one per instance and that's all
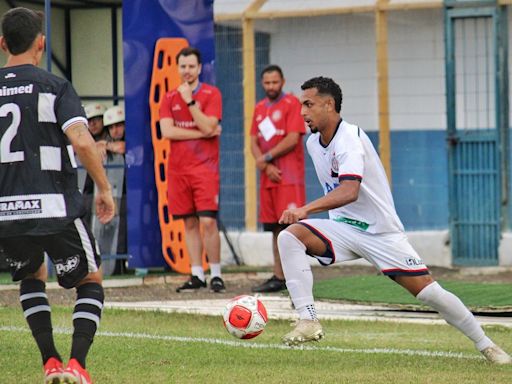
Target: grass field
(156, 347)
(377, 289)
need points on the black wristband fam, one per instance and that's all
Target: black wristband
(191, 103)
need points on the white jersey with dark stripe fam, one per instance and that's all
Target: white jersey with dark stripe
(351, 156)
(38, 185)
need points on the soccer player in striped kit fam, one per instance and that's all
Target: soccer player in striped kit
(362, 223)
(42, 124)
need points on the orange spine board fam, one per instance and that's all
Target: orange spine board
(164, 78)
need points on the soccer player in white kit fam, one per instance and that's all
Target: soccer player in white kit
(362, 223)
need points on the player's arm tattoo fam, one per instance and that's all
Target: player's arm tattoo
(79, 130)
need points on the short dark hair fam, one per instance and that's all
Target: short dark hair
(187, 51)
(326, 86)
(20, 27)
(272, 68)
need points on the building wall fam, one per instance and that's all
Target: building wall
(91, 47)
(343, 47)
(91, 41)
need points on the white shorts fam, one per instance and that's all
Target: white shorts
(390, 253)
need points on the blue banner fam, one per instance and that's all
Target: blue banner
(144, 22)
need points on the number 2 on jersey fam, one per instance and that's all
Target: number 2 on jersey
(6, 155)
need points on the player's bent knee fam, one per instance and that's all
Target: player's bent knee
(40, 274)
(286, 240)
(92, 277)
(414, 284)
(209, 224)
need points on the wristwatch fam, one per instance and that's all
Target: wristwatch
(268, 157)
(191, 103)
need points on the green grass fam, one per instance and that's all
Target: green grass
(378, 289)
(124, 353)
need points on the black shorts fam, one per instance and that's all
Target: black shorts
(73, 252)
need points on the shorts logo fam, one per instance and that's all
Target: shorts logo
(69, 265)
(413, 262)
(20, 207)
(17, 265)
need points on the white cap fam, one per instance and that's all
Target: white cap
(113, 115)
(94, 110)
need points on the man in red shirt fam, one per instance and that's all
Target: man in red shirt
(276, 144)
(189, 117)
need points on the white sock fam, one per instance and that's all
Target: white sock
(298, 275)
(308, 312)
(455, 313)
(215, 270)
(197, 270)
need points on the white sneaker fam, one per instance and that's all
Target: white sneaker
(496, 355)
(305, 330)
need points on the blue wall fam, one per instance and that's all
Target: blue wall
(419, 163)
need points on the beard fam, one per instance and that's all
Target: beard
(272, 95)
(313, 129)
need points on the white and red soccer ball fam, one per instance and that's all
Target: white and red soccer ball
(245, 317)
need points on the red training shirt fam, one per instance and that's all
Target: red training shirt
(191, 156)
(285, 115)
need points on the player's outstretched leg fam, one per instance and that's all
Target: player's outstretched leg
(299, 281)
(36, 309)
(451, 308)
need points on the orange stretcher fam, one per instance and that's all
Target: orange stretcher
(164, 78)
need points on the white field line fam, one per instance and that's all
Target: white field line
(280, 308)
(253, 345)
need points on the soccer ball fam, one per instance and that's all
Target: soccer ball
(245, 317)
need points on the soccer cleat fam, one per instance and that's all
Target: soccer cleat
(217, 285)
(75, 374)
(274, 284)
(305, 330)
(53, 371)
(193, 284)
(496, 355)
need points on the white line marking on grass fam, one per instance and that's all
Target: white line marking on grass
(253, 345)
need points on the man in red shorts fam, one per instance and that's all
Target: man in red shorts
(189, 117)
(276, 144)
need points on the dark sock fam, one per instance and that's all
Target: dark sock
(36, 309)
(86, 319)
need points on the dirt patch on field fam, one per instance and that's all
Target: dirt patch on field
(163, 287)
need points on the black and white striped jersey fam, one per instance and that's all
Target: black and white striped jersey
(38, 184)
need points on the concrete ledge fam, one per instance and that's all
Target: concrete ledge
(505, 249)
